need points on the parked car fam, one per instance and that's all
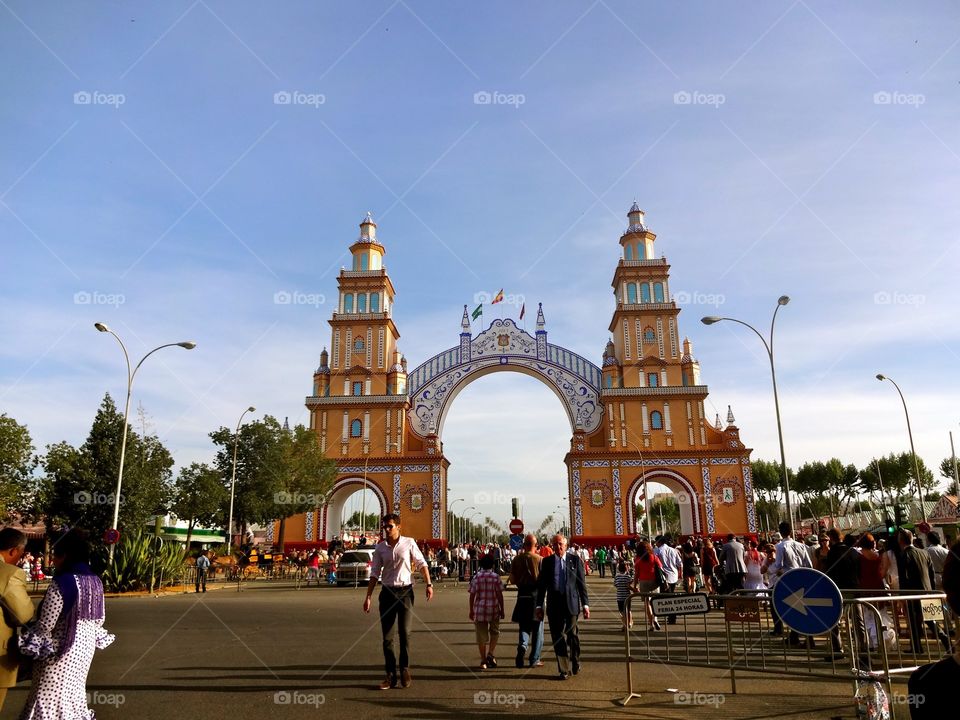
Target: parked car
(354, 567)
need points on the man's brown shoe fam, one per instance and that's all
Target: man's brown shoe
(405, 678)
(390, 681)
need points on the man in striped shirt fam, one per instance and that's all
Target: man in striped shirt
(486, 609)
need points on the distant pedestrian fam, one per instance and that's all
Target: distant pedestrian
(647, 577)
(753, 560)
(600, 556)
(734, 567)
(621, 582)
(203, 566)
(789, 554)
(394, 561)
(486, 609)
(938, 556)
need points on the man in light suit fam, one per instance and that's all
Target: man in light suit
(17, 606)
(562, 583)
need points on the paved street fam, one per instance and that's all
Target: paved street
(276, 651)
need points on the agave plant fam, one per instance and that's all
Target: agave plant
(140, 562)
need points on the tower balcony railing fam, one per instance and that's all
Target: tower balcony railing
(660, 391)
(656, 262)
(362, 316)
(314, 400)
(363, 273)
(642, 307)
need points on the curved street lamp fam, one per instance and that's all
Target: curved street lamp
(768, 346)
(916, 465)
(643, 475)
(233, 477)
(463, 518)
(454, 518)
(185, 344)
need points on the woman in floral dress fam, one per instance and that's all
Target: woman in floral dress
(68, 629)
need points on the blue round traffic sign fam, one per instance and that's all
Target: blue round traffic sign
(807, 601)
(516, 542)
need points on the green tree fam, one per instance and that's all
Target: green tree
(17, 463)
(373, 520)
(897, 473)
(199, 496)
(279, 473)
(768, 484)
(947, 470)
(813, 485)
(665, 514)
(79, 485)
(843, 484)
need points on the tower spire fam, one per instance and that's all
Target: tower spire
(465, 322)
(368, 229)
(541, 322)
(730, 419)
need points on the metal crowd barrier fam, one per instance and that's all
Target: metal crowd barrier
(738, 633)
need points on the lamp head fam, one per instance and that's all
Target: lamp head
(187, 344)
(101, 327)
(880, 377)
(783, 300)
(710, 320)
(251, 409)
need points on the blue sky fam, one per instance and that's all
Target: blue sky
(150, 180)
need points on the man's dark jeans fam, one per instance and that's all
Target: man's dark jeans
(396, 608)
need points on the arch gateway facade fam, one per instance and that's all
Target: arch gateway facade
(638, 416)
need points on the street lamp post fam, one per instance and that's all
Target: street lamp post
(464, 517)
(233, 477)
(471, 521)
(916, 464)
(450, 512)
(187, 345)
(643, 475)
(768, 346)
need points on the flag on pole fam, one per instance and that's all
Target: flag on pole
(523, 309)
(478, 312)
(498, 298)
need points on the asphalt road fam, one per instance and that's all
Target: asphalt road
(274, 651)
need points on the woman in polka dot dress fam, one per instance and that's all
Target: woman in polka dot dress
(68, 629)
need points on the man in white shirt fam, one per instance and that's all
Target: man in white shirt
(396, 558)
(672, 563)
(790, 554)
(938, 556)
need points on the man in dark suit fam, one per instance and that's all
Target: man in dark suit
(562, 583)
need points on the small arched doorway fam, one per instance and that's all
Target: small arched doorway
(332, 518)
(691, 522)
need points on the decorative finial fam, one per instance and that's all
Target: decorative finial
(730, 419)
(465, 321)
(541, 322)
(717, 424)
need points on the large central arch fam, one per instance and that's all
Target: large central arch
(503, 346)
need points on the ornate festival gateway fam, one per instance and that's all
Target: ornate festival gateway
(638, 417)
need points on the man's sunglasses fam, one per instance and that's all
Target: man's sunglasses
(389, 527)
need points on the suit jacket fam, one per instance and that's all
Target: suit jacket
(733, 558)
(916, 570)
(576, 586)
(17, 610)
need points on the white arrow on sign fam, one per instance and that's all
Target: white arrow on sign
(798, 602)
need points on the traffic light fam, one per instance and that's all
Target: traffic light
(888, 521)
(515, 507)
(899, 514)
